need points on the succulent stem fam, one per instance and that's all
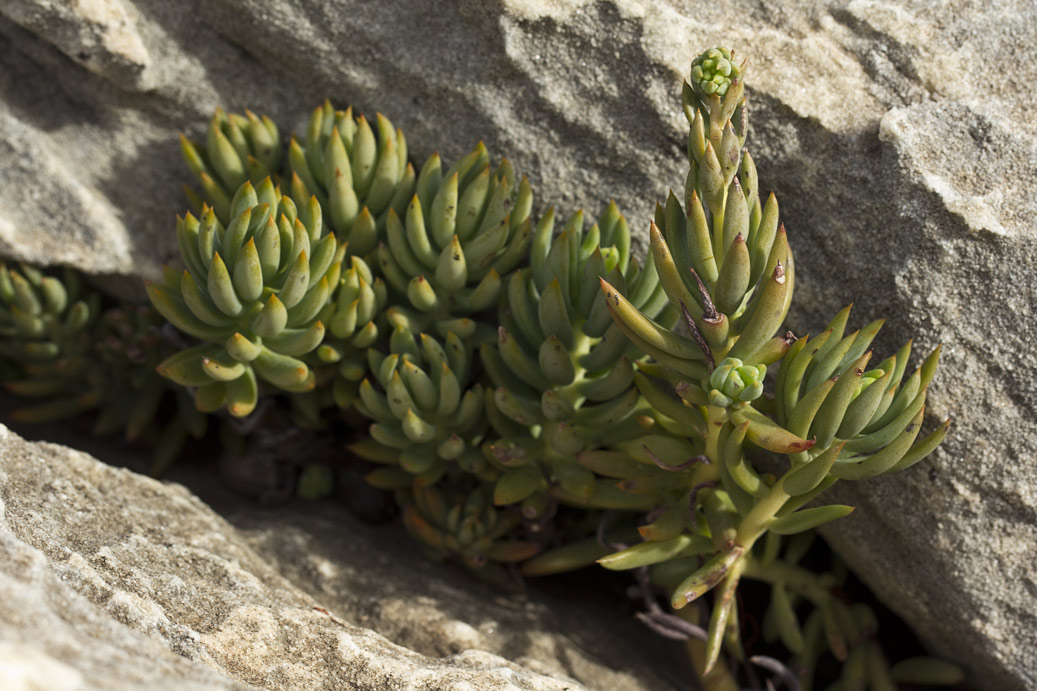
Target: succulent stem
(755, 523)
(715, 419)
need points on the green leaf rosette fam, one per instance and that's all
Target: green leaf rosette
(46, 326)
(461, 233)
(451, 522)
(864, 422)
(254, 292)
(357, 172)
(562, 370)
(65, 358)
(237, 149)
(428, 415)
(355, 324)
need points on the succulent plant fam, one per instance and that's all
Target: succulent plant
(462, 231)
(863, 422)
(238, 148)
(253, 293)
(61, 354)
(128, 346)
(833, 624)
(358, 173)
(726, 262)
(355, 323)
(564, 383)
(461, 522)
(607, 387)
(45, 326)
(428, 416)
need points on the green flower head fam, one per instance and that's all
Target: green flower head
(732, 381)
(712, 72)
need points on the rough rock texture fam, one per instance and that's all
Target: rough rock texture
(112, 580)
(900, 139)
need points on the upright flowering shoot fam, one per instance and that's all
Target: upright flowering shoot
(724, 260)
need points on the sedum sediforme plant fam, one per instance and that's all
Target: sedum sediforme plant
(664, 393)
(237, 149)
(356, 322)
(563, 378)
(428, 414)
(253, 292)
(357, 172)
(46, 325)
(460, 521)
(725, 260)
(809, 613)
(463, 230)
(62, 352)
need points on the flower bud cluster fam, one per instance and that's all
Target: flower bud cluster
(734, 382)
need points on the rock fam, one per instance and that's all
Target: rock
(899, 139)
(919, 214)
(113, 580)
(100, 35)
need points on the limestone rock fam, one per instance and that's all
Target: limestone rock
(899, 138)
(112, 580)
(101, 35)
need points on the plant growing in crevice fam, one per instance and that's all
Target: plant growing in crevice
(517, 390)
(69, 356)
(725, 259)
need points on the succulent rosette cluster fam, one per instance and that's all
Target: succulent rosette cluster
(45, 327)
(519, 385)
(427, 410)
(562, 370)
(463, 523)
(357, 172)
(60, 351)
(237, 149)
(463, 230)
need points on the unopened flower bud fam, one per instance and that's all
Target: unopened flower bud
(712, 72)
(732, 381)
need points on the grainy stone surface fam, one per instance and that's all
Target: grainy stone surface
(112, 580)
(900, 140)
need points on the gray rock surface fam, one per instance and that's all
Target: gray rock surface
(112, 580)
(900, 139)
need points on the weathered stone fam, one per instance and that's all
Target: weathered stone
(899, 138)
(112, 580)
(101, 35)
